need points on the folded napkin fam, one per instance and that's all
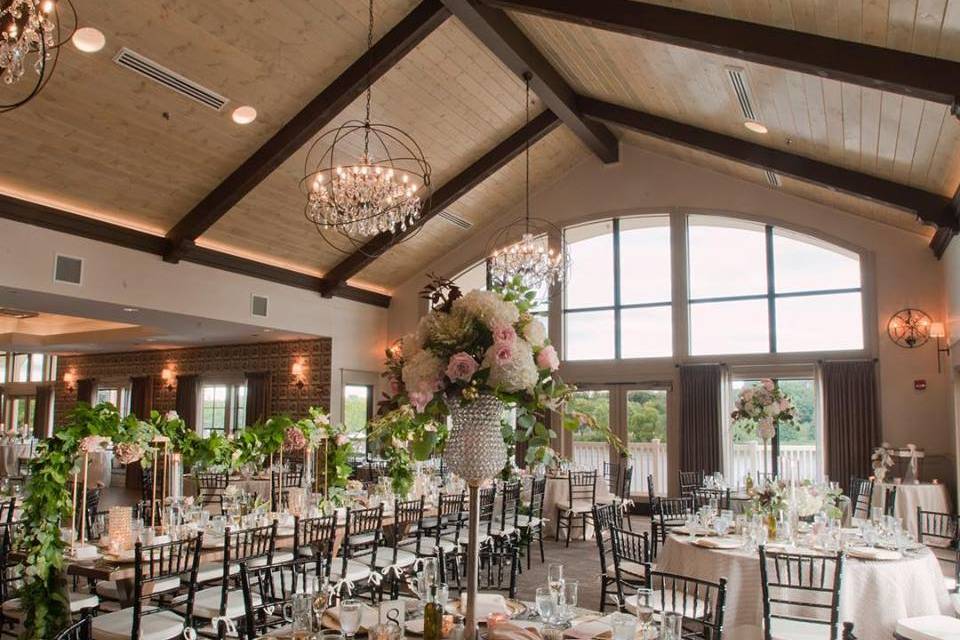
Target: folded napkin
(511, 631)
(589, 630)
(487, 603)
(719, 543)
(870, 553)
(369, 617)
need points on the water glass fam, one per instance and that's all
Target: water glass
(350, 614)
(672, 626)
(555, 579)
(301, 605)
(546, 601)
(645, 608)
(571, 596)
(624, 626)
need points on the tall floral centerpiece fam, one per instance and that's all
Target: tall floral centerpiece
(882, 460)
(763, 406)
(471, 357)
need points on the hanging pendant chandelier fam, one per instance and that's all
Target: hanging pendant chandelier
(530, 258)
(364, 178)
(30, 41)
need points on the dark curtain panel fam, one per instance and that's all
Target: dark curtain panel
(851, 417)
(259, 388)
(41, 412)
(85, 390)
(141, 404)
(700, 410)
(141, 396)
(188, 390)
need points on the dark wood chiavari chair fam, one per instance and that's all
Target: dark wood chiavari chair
(447, 534)
(7, 509)
(79, 630)
(940, 532)
(890, 501)
(487, 508)
(701, 602)
(671, 513)
(690, 480)
(704, 497)
(314, 538)
(531, 523)
(405, 535)
(505, 524)
(582, 489)
(159, 608)
(861, 496)
(795, 592)
(498, 569)
(605, 517)
(267, 593)
(358, 553)
(278, 491)
(654, 521)
(631, 559)
(211, 487)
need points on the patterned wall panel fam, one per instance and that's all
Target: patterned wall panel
(277, 357)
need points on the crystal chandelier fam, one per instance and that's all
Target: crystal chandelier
(30, 40)
(531, 259)
(363, 179)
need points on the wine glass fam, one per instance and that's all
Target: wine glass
(571, 592)
(555, 579)
(350, 613)
(644, 609)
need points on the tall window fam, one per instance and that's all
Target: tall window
(118, 396)
(646, 440)
(357, 412)
(32, 367)
(590, 448)
(618, 292)
(20, 411)
(759, 289)
(223, 408)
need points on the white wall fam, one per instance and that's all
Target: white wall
(899, 268)
(126, 277)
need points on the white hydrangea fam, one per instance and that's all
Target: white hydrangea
(422, 372)
(488, 307)
(517, 373)
(410, 346)
(535, 333)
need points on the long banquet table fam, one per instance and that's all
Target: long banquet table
(874, 593)
(926, 495)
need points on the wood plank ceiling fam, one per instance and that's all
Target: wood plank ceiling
(103, 142)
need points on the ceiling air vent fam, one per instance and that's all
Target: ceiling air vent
(19, 314)
(67, 270)
(170, 79)
(772, 178)
(455, 220)
(258, 306)
(741, 87)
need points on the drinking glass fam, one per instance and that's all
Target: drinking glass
(571, 594)
(671, 627)
(546, 601)
(350, 613)
(624, 626)
(645, 609)
(301, 605)
(555, 578)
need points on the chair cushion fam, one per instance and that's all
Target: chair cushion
(464, 537)
(528, 521)
(929, 628)
(108, 588)
(404, 558)
(632, 569)
(279, 556)
(355, 570)
(692, 607)
(206, 603)
(164, 625)
(579, 507)
(781, 629)
(13, 608)
(500, 531)
(208, 571)
(427, 546)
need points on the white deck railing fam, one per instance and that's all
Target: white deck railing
(650, 458)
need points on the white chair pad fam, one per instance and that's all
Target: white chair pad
(692, 607)
(578, 508)
(781, 629)
(13, 608)
(633, 569)
(108, 588)
(206, 603)
(279, 556)
(929, 628)
(464, 536)
(427, 545)
(527, 521)
(118, 625)
(404, 558)
(208, 571)
(355, 570)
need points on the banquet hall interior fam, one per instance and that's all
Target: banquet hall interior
(515, 319)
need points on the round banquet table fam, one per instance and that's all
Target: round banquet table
(10, 453)
(874, 594)
(557, 494)
(927, 496)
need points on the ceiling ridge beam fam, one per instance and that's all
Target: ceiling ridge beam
(900, 72)
(39, 215)
(451, 191)
(930, 208)
(503, 37)
(319, 112)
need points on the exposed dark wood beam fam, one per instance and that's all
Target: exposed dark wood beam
(499, 34)
(944, 235)
(366, 70)
(66, 222)
(899, 72)
(443, 197)
(931, 208)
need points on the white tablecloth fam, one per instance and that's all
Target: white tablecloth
(874, 594)
(557, 494)
(10, 453)
(929, 497)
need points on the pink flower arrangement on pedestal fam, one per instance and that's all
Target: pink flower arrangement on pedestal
(765, 406)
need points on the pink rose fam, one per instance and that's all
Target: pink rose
(293, 439)
(504, 333)
(462, 366)
(548, 359)
(342, 439)
(420, 400)
(502, 353)
(768, 384)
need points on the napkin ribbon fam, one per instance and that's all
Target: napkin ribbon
(227, 623)
(339, 586)
(395, 569)
(189, 633)
(375, 579)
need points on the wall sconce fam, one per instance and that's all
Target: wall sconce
(938, 331)
(296, 370)
(909, 328)
(70, 380)
(167, 376)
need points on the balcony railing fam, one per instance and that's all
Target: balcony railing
(650, 458)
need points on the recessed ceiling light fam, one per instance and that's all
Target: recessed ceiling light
(755, 126)
(268, 330)
(88, 39)
(130, 309)
(244, 115)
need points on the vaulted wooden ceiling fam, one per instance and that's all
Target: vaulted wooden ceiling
(105, 143)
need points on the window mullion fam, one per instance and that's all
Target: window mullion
(616, 289)
(771, 292)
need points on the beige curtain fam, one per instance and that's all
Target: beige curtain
(851, 417)
(701, 399)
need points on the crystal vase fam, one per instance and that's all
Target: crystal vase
(475, 449)
(175, 482)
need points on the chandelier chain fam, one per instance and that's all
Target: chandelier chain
(369, 92)
(526, 77)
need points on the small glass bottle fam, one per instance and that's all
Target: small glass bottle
(433, 616)
(458, 630)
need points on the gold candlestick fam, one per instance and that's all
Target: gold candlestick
(83, 513)
(153, 497)
(76, 480)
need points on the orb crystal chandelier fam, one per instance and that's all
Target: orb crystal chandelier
(30, 41)
(531, 258)
(365, 178)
